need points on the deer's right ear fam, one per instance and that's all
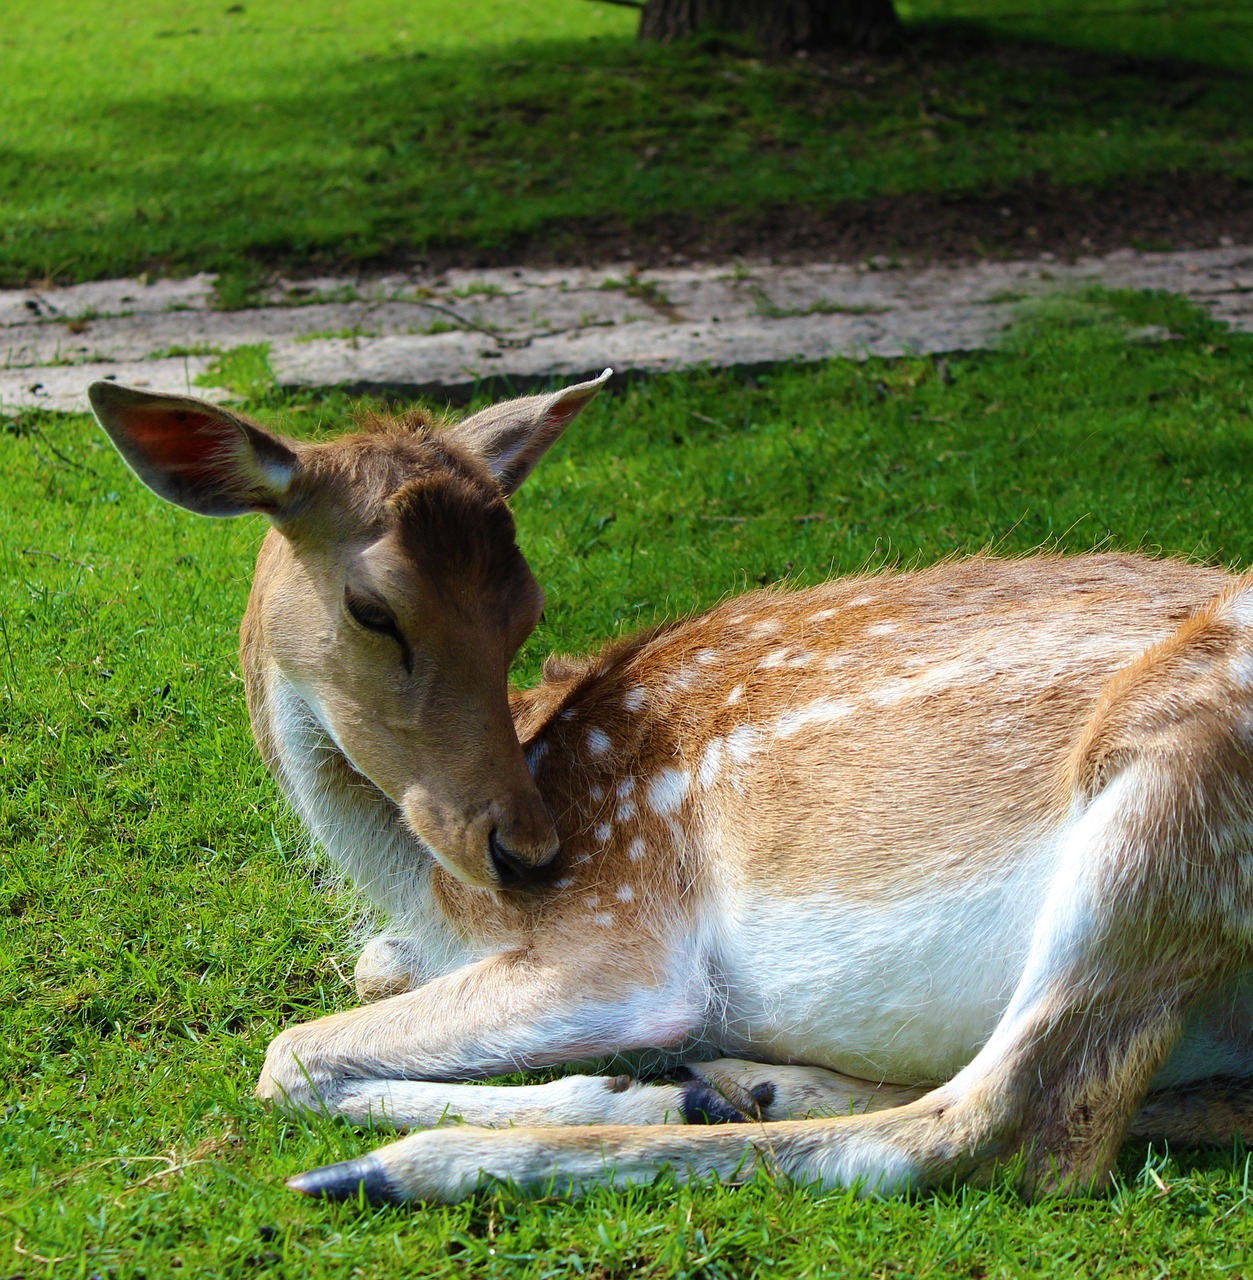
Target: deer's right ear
(195, 454)
(512, 437)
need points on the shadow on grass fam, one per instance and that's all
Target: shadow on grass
(558, 151)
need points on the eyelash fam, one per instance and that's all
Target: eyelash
(374, 617)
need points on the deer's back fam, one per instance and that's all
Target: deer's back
(862, 737)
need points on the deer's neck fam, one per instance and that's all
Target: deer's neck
(357, 826)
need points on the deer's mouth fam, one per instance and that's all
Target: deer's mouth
(511, 869)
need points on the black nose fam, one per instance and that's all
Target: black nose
(511, 871)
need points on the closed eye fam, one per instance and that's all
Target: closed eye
(375, 616)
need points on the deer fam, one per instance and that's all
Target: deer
(910, 878)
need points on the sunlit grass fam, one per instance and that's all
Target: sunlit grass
(160, 923)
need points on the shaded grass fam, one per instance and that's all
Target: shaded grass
(197, 135)
(160, 924)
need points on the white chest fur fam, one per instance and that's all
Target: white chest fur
(360, 831)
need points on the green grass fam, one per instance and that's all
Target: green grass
(187, 134)
(160, 925)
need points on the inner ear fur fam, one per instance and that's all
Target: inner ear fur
(195, 454)
(512, 437)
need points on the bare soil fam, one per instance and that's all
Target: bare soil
(1168, 211)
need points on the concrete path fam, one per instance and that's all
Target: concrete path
(442, 335)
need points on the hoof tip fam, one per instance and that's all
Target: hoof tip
(702, 1104)
(348, 1180)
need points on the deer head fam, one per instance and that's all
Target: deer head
(390, 595)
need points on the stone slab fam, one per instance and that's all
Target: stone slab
(444, 334)
(64, 387)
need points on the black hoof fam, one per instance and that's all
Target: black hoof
(763, 1094)
(704, 1105)
(348, 1180)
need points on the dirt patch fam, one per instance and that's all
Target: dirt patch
(1164, 212)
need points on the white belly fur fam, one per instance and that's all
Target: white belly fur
(909, 989)
(905, 990)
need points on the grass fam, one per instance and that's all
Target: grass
(161, 924)
(190, 134)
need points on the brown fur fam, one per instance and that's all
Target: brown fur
(703, 811)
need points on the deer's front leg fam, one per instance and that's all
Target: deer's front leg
(509, 1012)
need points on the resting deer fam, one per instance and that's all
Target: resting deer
(910, 875)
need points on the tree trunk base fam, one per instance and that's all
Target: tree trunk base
(779, 26)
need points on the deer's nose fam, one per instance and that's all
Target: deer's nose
(512, 871)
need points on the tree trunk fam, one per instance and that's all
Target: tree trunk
(780, 26)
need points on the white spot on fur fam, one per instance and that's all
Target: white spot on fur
(742, 742)
(597, 792)
(602, 833)
(593, 900)
(1242, 669)
(801, 660)
(836, 661)
(634, 699)
(825, 711)
(706, 656)
(771, 660)
(821, 616)
(944, 676)
(889, 695)
(625, 893)
(861, 602)
(766, 627)
(735, 695)
(1241, 608)
(602, 918)
(710, 762)
(684, 680)
(882, 629)
(625, 787)
(597, 742)
(564, 883)
(636, 849)
(626, 811)
(666, 791)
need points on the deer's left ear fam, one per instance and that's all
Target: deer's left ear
(195, 454)
(512, 437)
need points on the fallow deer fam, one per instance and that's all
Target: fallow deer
(912, 874)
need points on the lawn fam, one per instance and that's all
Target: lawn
(188, 134)
(162, 922)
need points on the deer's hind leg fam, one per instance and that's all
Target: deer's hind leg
(1149, 910)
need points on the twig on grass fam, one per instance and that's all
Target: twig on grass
(713, 422)
(174, 1168)
(52, 555)
(69, 462)
(74, 1174)
(11, 678)
(512, 344)
(18, 1247)
(339, 973)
